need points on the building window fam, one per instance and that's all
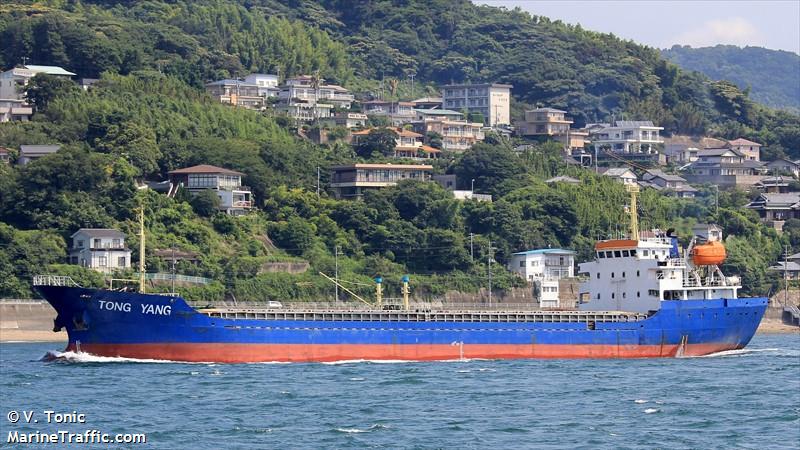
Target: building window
(80, 243)
(116, 243)
(97, 243)
(522, 263)
(121, 261)
(102, 261)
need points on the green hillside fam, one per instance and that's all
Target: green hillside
(771, 76)
(148, 115)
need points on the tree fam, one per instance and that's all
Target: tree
(295, 235)
(379, 142)
(43, 88)
(490, 166)
(206, 203)
(135, 143)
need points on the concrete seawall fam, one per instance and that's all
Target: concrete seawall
(28, 320)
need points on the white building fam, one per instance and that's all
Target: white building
(12, 109)
(544, 268)
(267, 84)
(235, 199)
(493, 100)
(101, 249)
(13, 81)
(627, 136)
(621, 174)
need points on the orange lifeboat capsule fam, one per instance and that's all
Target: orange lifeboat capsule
(708, 254)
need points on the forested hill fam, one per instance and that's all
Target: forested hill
(356, 42)
(772, 76)
(148, 115)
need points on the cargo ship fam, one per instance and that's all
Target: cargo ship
(642, 297)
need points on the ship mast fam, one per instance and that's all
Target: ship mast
(634, 189)
(141, 249)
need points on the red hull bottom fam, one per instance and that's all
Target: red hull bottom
(250, 353)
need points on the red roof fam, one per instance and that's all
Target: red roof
(205, 168)
(400, 132)
(429, 149)
(742, 141)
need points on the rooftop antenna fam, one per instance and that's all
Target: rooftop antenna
(634, 189)
(141, 249)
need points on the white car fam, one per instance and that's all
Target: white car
(274, 304)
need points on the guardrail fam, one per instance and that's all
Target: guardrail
(54, 280)
(176, 277)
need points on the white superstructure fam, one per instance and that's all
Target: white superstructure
(636, 275)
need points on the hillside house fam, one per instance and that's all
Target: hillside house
(492, 100)
(620, 174)
(347, 120)
(775, 209)
(28, 153)
(783, 166)
(544, 122)
(543, 269)
(351, 180)
(673, 185)
(101, 249)
(397, 113)
(749, 149)
(235, 199)
(724, 167)
(428, 103)
(15, 110)
(408, 144)
(14, 81)
(627, 136)
(267, 84)
(236, 92)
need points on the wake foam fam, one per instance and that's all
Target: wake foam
(81, 358)
(752, 351)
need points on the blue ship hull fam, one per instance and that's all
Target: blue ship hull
(111, 323)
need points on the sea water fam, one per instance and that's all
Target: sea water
(740, 399)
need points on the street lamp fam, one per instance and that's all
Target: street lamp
(472, 185)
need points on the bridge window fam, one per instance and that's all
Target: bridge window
(612, 295)
(637, 273)
(633, 252)
(623, 274)
(612, 274)
(638, 294)
(601, 254)
(626, 253)
(624, 295)
(617, 254)
(598, 296)
(598, 275)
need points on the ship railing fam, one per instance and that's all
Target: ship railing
(54, 280)
(690, 280)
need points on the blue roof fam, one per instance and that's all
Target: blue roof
(546, 251)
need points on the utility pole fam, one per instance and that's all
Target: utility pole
(317, 181)
(471, 251)
(173, 269)
(336, 272)
(785, 277)
(490, 273)
(412, 84)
